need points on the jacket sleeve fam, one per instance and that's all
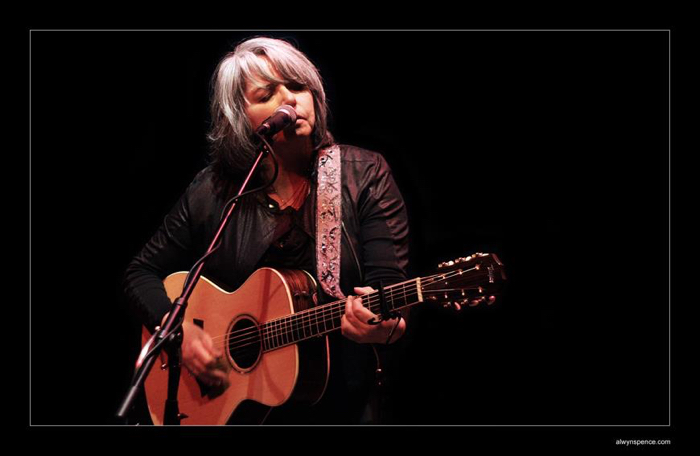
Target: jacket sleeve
(168, 250)
(383, 227)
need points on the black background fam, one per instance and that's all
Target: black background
(547, 148)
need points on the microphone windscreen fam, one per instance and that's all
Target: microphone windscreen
(289, 111)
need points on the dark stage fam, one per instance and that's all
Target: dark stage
(548, 148)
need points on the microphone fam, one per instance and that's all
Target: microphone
(283, 116)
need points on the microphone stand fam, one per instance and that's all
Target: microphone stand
(170, 334)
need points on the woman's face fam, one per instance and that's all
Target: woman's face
(265, 97)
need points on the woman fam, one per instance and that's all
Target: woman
(278, 227)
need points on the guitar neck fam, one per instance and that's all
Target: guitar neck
(326, 318)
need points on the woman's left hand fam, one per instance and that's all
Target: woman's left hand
(354, 324)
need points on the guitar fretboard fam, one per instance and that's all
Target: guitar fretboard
(321, 320)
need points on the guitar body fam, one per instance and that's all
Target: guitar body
(270, 378)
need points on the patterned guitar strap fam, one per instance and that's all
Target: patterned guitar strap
(329, 216)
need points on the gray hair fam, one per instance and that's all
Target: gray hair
(231, 134)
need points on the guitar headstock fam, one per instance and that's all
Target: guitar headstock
(465, 281)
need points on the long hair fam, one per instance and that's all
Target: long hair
(232, 150)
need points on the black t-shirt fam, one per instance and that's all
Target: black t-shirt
(292, 246)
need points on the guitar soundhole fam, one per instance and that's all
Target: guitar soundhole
(244, 343)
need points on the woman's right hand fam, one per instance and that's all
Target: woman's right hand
(200, 356)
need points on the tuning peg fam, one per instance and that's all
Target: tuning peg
(456, 305)
(477, 301)
(446, 264)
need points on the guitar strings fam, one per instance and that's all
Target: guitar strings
(276, 339)
(279, 325)
(399, 292)
(297, 324)
(316, 312)
(280, 337)
(277, 334)
(332, 306)
(278, 329)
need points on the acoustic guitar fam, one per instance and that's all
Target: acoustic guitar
(274, 334)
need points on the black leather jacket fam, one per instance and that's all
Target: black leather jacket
(374, 217)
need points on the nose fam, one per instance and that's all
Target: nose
(288, 97)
